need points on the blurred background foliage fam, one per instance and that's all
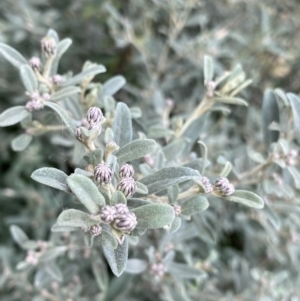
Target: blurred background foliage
(159, 46)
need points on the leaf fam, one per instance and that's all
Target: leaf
(12, 55)
(295, 174)
(51, 177)
(21, 142)
(173, 192)
(77, 79)
(76, 218)
(194, 205)
(13, 115)
(208, 68)
(113, 85)
(63, 227)
(108, 240)
(67, 120)
(184, 271)
(168, 176)
(135, 150)
(117, 259)
(62, 47)
(141, 188)
(270, 112)
(135, 112)
(54, 271)
(247, 198)
(158, 131)
(28, 78)
(174, 149)
(135, 203)
(118, 197)
(154, 216)
(176, 224)
(232, 100)
(99, 269)
(295, 105)
(108, 136)
(87, 192)
(64, 93)
(136, 266)
(226, 169)
(122, 125)
(18, 235)
(53, 253)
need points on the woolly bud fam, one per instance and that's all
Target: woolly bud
(121, 208)
(223, 186)
(103, 173)
(127, 186)
(125, 222)
(32, 257)
(46, 96)
(34, 96)
(177, 209)
(126, 171)
(112, 147)
(93, 126)
(94, 115)
(96, 230)
(208, 186)
(108, 214)
(157, 269)
(56, 79)
(49, 46)
(229, 190)
(35, 63)
(34, 105)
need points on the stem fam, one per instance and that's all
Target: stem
(254, 170)
(90, 146)
(43, 80)
(47, 67)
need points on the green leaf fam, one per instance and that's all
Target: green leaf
(53, 253)
(194, 205)
(208, 68)
(295, 105)
(232, 100)
(13, 115)
(88, 73)
(62, 47)
(54, 271)
(108, 136)
(99, 269)
(135, 150)
(12, 55)
(174, 149)
(18, 235)
(247, 198)
(226, 170)
(141, 188)
(184, 271)
(108, 240)
(270, 112)
(135, 203)
(64, 93)
(67, 120)
(122, 125)
(51, 177)
(176, 224)
(173, 192)
(28, 78)
(154, 216)
(158, 131)
(168, 176)
(87, 192)
(117, 259)
(135, 112)
(136, 266)
(21, 142)
(295, 174)
(76, 218)
(118, 197)
(113, 85)
(63, 227)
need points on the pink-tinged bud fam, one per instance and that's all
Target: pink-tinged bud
(34, 105)
(126, 171)
(112, 147)
(148, 159)
(170, 103)
(46, 96)
(293, 153)
(127, 186)
(96, 230)
(121, 209)
(35, 96)
(49, 46)
(96, 126)
(103, 173)
(157, 269)
(108, 214)
(57, 79)
(35, 63)
(223, 187)
(94, 115)
(32, 257)
(208, 186)
(177, 209)
(125, 222)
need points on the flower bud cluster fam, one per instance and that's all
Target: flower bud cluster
(223, 187)
(127, 186)
(95, 230)
(49, 47)
(208, 186)
(56, 79)
(120, 217)
(177, 209)
(291, 158)
(32, 257)
(35, 102)
(94, 118)
(102, 173)
(35, 63)
(157, 269)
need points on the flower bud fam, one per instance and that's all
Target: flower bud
(177, 209)
(32, 257)
(34, 96)
(126, 171)
(108, 214)
(223, 187)
(46, 96)
(157, 269)
(103, 173)
(125, 222)
(56, 79)
(121, 208)
(34, 105)
(35, 63)
(127, 186)
(148, 159)
(94, 115)
(49, 46)
(112, 147)
(95, 126)
(96, 230)
(208, 186)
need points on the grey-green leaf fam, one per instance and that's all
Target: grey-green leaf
(136, 266)
(67, 120)
(232, 100)
(53, 253)
(108, 240)
(87, 192)
(154, 216)
(295, 105)
(13, 115)
(168, 176)
(12, 55)
(247, 198)
(64, 93)
(194, 205)
(184, 271)
(226, 169)
(117, 259)
(122, 125)
(295, 174)
(18, 235)
(173, 192)
(141, 188)
(113, 85)
(118, 197)
(208, 68)
(135, 150)
(28, 78)
(21, 142)
(53, 270)
(176, 224)
(51, 177)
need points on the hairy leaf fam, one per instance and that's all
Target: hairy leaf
(13, 115)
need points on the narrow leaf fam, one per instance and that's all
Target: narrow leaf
(226, 169)
(113, 85)
(295, 105)
(232, 100)
(13, 115)
(53, 253)
(194, 205)
(136, 266)
(246, 198)
(12, 55)
(184, 271)
(208, 68)
(28, 78)
(64, 93)
(18, 235)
